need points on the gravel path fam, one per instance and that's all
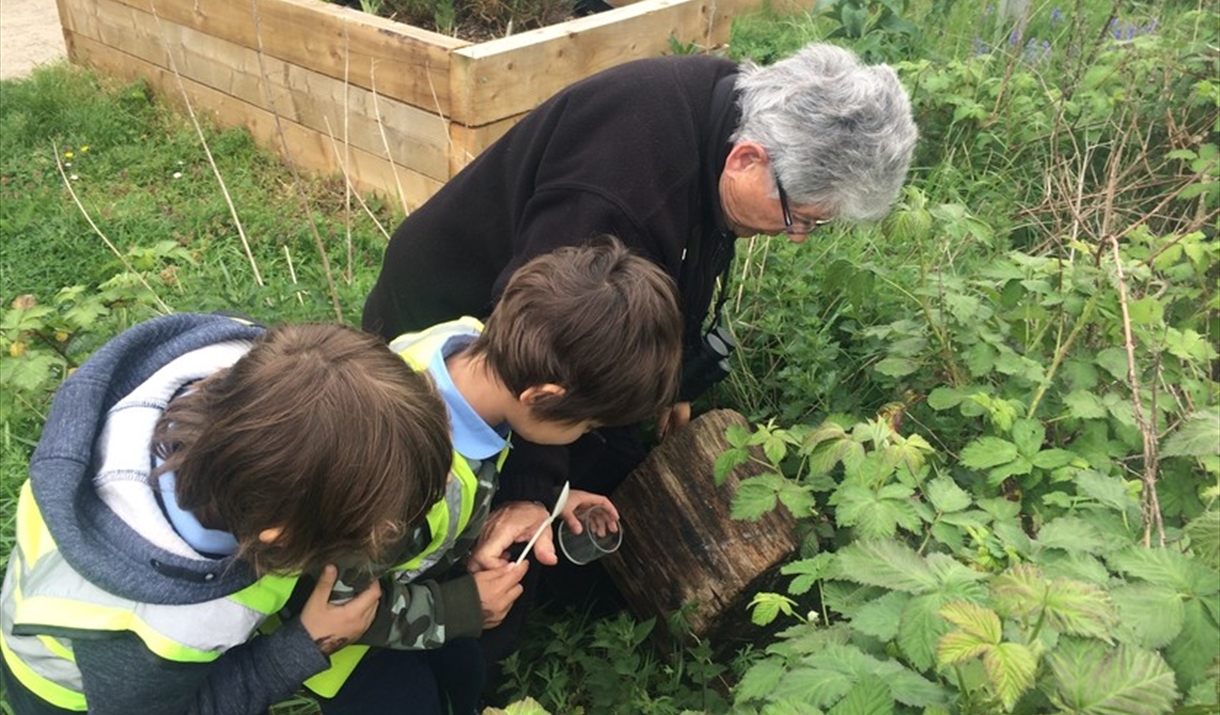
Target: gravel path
(30, 35)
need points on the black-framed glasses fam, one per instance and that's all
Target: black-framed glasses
(798, 226)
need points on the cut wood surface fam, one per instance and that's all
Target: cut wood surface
(680, 546)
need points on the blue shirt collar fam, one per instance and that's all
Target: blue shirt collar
(472, 437)
(201, 538)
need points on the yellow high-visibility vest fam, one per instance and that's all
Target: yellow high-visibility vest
(447, 519)
(43, 594)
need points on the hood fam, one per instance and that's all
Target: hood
(92, 538)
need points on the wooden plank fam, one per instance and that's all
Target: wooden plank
(414, 138)
(308, 150)
(410, 64)
(680, 544)
(494, 80)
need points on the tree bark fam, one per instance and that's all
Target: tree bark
(680, 546)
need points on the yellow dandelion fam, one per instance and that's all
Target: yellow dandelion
(69, 154)
(84, 149)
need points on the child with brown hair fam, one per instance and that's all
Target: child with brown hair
(583, 337)
(187, 472)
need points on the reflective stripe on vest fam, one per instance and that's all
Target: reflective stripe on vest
(446, 519)
(45, 597)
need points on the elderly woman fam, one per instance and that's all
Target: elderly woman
(678, 157)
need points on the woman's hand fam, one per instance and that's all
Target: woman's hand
(334, 625)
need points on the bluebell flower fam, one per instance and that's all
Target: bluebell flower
(1056, 17)
(1015, 38)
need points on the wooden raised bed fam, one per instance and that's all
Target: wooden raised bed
(397, 108)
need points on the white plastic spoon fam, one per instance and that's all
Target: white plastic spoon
(559, 505)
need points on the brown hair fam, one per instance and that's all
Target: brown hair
(320, 430)
(602, 323)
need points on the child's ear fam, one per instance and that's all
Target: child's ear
(268, 536)
(540, 392)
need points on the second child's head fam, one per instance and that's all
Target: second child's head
(319, 444)
(585, 337)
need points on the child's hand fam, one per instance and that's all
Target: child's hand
(579, 501)
(498, 589)
(333, 626)
(672, 418)
(512, 523)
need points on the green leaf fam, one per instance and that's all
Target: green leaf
(812, 686)
(756, 496)
(1092, 679)
(988, 452)
(727, 461)
(943, 398)
(1079, 609)
(528, 706)
(1105, 489)
(959, 647)
(1028, 436)
(1204, 533)
(29, 373)
(798, 499)
(869, 696)
(1179, 571)
(1197, 436)
(808, 571)
(1153, 612)
(1197, 646)
(1146, 311)
(957, 581)
(973, 619)
(879, 618)
(760, 680)
(896, 366)
(1084, 405)
(875, 515)
(1072, 534)
(1189, 345)
(1010, 668)
(946, 495)
(775, 449)
(980, 359)
(1018, 592)
(1114, 361)
(920, 629)
(1052, 458)
(1016, 467)
(887, 564)
(766, 607)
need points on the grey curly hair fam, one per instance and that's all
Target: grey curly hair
(839, 132)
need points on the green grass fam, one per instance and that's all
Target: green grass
(142, 175)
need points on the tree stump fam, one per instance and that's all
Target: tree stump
(681, 547)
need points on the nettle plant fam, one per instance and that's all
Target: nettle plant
(1047, 537)
(44, 341)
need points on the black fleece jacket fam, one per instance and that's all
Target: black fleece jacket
(635, 151)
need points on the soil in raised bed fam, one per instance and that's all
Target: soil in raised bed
(479, 20)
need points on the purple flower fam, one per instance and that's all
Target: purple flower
(1056, 17)
(1015, 38)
